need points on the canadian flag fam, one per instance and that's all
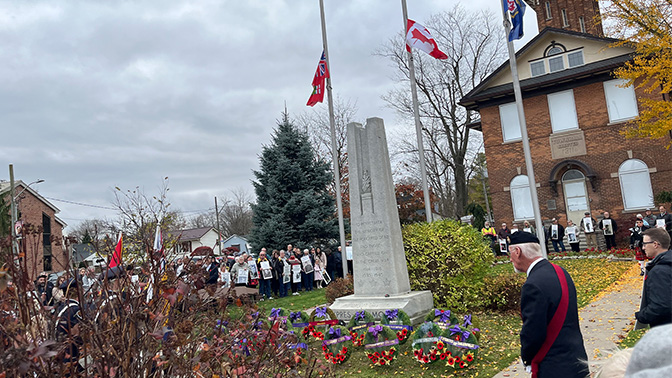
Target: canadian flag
(418, 36)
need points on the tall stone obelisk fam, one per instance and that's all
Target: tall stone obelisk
(379, 262)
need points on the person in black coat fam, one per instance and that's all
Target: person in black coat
(609, 228)
(557, 234)
(213, 271)
(540, 299)
(656, 308)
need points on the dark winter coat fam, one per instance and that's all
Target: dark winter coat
(657, 296)
(540, 297)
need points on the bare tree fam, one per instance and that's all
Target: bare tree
(235, 214)
(474, 43)
(316, 124)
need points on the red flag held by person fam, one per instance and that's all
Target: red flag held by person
(116, 256)
(418, 36)
(319, 82)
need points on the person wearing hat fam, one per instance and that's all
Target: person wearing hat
(588, 226)
(44, 289)
(650, 218)
(557, 234)
(550, 339)
(112, 283)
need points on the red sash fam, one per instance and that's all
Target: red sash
(556, 323)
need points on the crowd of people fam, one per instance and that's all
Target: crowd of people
(558, 234)
(278, 273)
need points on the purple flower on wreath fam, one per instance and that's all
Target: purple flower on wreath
(456, 329)
(275, 312)
(220, 325)
(392, 314)
(321, 312)
(467, 320)
(359, 315)
(445, 315)
(335, 332)
(375, 330)
(255, 314)
(295, 315)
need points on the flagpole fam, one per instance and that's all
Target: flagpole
(523, 132)
(418, 126)
(334, 151)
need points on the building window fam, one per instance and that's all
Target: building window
(582, 25)
(521, 198)
(538, 68)
(508, 116)
(621, 101)
(565, 21)
(563, 111)
(575, 58)
(46, 229)
(548, 10)
(635, 185)
(556, 64)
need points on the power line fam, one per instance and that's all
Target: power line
(113, 208)
(80, 204)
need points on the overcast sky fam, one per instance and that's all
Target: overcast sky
(96, 94)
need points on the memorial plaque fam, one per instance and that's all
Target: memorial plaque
(568, 144)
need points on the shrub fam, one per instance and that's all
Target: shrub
(450, 259)
(502, 292)
(340, 287)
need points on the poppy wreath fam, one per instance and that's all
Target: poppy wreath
(380, 345)
(424, 341)
(459, 346)
(472, 324)
(300, 322)
(358, 325)
(281, 316)
(399, 322)
(336, 345)
(442, 318)
(319, 322)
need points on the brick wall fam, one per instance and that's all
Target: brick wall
(31, 209)
(606, 150)
(588, 9)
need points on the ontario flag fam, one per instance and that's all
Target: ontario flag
(116, 256)
(516, 9)
(319, 82)
(418, 36)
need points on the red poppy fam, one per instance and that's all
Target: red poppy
(425, 359)
(462, 365)
(382, 362)
(469, 358)
(432, 357)
(439, 345)
(451, 361)
(392, 351)
(324, 348)
(404, 331)
(377, 354)
(442, 356)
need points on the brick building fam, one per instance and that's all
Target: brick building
(44, 249)
(575, 112)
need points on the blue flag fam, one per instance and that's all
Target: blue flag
(516, 9)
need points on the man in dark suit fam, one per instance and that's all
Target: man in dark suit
(551, 340)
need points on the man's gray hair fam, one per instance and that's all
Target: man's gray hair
(530, 250)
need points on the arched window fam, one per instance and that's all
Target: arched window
(635, 185)
(521, 199)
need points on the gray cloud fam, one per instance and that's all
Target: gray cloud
(98, 94)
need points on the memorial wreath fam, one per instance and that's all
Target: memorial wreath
(380, 345)
(336, 343)
(358, 325)
(399, 322)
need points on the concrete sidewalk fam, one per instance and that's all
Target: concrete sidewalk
(610, 315)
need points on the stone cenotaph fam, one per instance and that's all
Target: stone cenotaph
(379, 262)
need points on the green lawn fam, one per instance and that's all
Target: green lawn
(499, 339)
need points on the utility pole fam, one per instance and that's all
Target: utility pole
(15, 243)
(219, 233)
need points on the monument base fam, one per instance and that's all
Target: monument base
(415, 303)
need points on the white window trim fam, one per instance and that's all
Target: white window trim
(547, 10)
(565, 19)
(583, 58)
(550, 111)
(501, 124)
(649, 186)
(511, 191)
(620, 120)
(543, 63)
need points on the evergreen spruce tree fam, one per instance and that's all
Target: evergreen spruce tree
(293, 203)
